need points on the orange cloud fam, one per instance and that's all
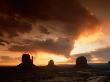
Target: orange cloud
(87, 41)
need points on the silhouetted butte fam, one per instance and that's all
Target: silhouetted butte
(81, 62)
(27, 63)
(51, 63)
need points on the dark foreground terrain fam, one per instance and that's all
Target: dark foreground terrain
(64, 73)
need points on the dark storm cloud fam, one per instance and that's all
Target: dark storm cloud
(102, 54)
(11, 23)
(3, 41)
(101, 8)
(67, 11)
(44, 30)
(48, 9)
(12, 26)
(71, 18)
(62, 46)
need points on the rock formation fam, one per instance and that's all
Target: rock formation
(26, 64)
(81, 62)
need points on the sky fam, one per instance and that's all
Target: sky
(59, 30)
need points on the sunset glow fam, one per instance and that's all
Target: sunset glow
(42, 58)
(87, 42)
(95, 59)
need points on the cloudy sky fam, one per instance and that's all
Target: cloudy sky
(60, 30)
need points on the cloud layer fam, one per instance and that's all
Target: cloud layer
(47, 25)
(100, 55)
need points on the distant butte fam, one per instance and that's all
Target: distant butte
(81, 63)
